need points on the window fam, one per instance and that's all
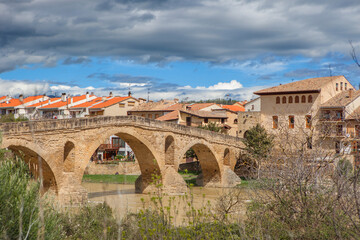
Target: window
(121, 105)
(303, 99)
(235, 121)
(341, 85)
(275, 122)
(149, 115)
(143, 115)
(277, 100)
(188, 121)
(252, 107)
(308, 121)
(291, 121)
(345, 86)
(339, 115)
(337, 86)
(223, 120)
(297, 99)
(290, 99)
(206, 120)
(310, 99)
(156, 116)
(131, 103)
(284, 99)
(355, 146)
(339, 130)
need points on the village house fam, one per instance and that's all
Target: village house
(61, 109)
(324, 110)
(154, 110)
(114, 106)
(17, 106)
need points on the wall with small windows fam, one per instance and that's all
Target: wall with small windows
(121, 108)
(335, 87)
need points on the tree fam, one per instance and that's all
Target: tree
(211, 126)
(258, 144)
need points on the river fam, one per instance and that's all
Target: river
(123, 199)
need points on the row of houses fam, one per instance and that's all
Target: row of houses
(325, 110)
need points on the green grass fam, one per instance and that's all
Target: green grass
(252, 183)
(124, 179)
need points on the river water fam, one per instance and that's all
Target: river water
(123, 199)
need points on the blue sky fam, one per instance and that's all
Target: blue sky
(190, 50)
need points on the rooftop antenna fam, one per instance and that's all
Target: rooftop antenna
(330, 72)
(148, 92)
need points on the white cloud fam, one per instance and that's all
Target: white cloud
(233, 84)
(14, 88)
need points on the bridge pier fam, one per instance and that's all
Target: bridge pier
(70, 190)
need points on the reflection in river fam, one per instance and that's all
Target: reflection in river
(123, 199)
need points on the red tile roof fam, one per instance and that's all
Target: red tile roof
(2, 98)
(307, 85)
(110, 102)
(88, 104)
(199, 106)
(62, 104)
(32, 98)
(12, 103)
(234, 108)
(169, 116)
(39, 104)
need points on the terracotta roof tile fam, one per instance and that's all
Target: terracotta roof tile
(88, 104)
(32, 98)
(39, 104)
(110, 102)
(234, 108)
(12, 103)
(199, 106)
(341, 99)
(2, 98)
(206, 114)
(62, 104)
(164, 105)
(307, 85)
(174, 115)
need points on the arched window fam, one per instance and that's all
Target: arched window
(290, 99)
(310, 99)
(235, 121)
(303, 99)
(284, 99)
(297, 99)
(277, 100)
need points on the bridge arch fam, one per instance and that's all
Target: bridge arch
(211, 172)
(69, 156)
(31, 154)
(226, 160)
(169, 150)
(147, 156)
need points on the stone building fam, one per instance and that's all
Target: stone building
(322, 110)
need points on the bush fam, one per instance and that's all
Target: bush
(22, 213)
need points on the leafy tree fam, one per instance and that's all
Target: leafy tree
(258, 143)
(211, 126)
(11, 118)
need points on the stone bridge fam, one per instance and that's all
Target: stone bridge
(63, 148)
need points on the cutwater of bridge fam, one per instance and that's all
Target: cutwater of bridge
(62, 149)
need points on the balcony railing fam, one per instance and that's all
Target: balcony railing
(328, 118)
(110, 146)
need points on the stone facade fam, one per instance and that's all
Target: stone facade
(66, 146)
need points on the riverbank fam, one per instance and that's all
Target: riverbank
(120, 179)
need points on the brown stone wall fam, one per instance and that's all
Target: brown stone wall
(126, 168)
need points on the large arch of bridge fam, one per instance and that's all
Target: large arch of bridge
(147, 156)
(36, 159)
(209, 164)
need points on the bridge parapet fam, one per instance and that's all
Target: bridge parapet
(19, 128)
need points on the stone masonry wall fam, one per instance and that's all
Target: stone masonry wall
(126, 168)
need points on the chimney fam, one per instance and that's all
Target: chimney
(351, 92)
(63, 97)
(21, 98)
(129, 93)
(176, 100)
(49, 101)
(92, 93)
(103, 99)
(71, 100)
(110, 94)
(87, 96)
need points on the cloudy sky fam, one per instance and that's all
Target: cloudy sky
(186, 49)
